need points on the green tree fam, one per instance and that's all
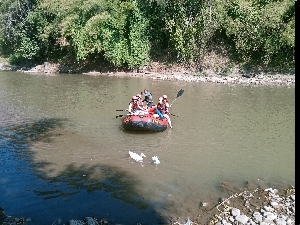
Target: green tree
(116, 29)
(262, 30)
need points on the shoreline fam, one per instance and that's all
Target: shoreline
(268, 206)
(252, 78)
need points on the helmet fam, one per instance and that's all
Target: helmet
(165, 96)
(145, 90)
(134, 98)
(138, 95)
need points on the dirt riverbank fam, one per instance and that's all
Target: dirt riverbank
(169, 72)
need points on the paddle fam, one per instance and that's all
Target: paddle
(126, 115)
(120, 116)
(121, 109)
(178, 95)
(180, 92)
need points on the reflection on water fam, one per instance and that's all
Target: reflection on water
(64, 154)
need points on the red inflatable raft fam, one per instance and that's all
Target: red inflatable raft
(146, 122)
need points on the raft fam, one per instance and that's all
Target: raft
(146, 122)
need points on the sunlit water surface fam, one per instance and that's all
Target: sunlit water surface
(64, 154)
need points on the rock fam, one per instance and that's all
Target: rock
(257, 217)
(91, 221)
(274, 204)
(76, 222)
(269, 215)
(280, 221)
(235, 212)
(242, 219)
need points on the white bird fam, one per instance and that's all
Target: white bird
(155, 160)
(136, 157)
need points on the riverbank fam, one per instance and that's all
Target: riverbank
(259, 206)
(161, 72)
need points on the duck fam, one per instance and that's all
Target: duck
(155, 160)
(136, 157)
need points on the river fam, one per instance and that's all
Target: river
(64, 154)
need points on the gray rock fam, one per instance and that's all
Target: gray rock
(91, 221)
(268, 208)
(76, 222)
(231, 219)
(235, 212)
(257, 217)
(269, 215)
(280, 221)
(242, 218)
(293, 197)
(251, 222)
(287, 204)
(290, 222)
(274, 204)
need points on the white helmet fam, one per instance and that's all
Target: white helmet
(134, 98)
(165, 96)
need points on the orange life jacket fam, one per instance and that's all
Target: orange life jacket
(134, 105)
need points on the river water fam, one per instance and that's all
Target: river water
(64, 154)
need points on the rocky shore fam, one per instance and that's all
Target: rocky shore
(235, 76)
(264, 207)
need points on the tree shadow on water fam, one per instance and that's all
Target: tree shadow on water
(103, 187)
(30, 132)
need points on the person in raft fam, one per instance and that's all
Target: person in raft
(140, 102)
(162, 109)
(148, 97)
(134, 107)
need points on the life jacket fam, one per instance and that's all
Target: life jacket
(161, 107)
(134, 105)
(140, 103)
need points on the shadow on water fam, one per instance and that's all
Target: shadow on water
(86, 190)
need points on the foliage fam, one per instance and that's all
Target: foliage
(129, 32)
(191, 24)
(113, 28)
(261, 30)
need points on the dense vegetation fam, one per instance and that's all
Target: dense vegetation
(132, 33)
